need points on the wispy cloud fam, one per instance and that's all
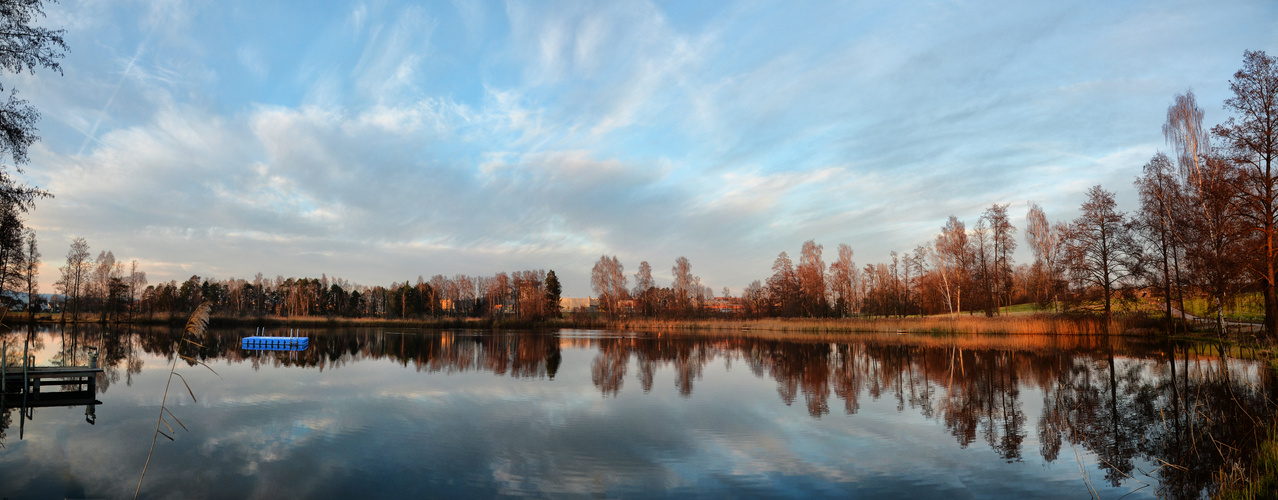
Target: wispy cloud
(383, 140)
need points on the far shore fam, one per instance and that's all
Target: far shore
(1040, 323)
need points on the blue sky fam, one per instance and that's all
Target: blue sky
(380, 141)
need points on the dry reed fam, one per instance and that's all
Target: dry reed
(195, 328)
(1042, 324)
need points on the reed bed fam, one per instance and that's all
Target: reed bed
(1014, 324)
(1037, 324)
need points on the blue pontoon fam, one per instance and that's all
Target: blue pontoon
(293, 342)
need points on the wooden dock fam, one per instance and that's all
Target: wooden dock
(39, 376)
(23, 386)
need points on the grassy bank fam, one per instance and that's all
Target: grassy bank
(1246, 307)
(1032, 324)
(1258, 483)
(1019, 322)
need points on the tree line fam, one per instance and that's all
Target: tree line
(101, 287)
(1207, 226)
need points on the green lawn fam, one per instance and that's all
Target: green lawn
(1243, 307)
(1026, 308)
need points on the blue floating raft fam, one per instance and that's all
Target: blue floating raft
(275, 343)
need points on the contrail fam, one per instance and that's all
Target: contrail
(93, 132)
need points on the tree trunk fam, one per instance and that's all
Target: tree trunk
(1167, 290)
(1271, 306)
(1108, 312)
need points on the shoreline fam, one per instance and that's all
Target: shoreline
(1042, 323)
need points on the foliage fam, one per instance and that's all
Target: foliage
(553, 292)
(1258, 483)
(23, 48)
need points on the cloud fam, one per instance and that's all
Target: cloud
(252, 61)
(389, 64)
(382, 140)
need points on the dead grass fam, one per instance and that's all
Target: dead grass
(1038, 324)
(1258, 483)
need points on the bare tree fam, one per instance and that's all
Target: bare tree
(100, 282)
(137, 280)
(74, 275)
(643, 279)
(1161, 204)
(645, 288)
(1184, 132)
(1003, 243)
(1100, 246)
(1215, 239)
(783, 287)
(1047, 241)
(983, 273)
(683, 284)
(1208, 182)
(31, 275)
(608, 279)
(1251, 142)
(950, 258)
(754, 298)
(843, 281)
(811, 274)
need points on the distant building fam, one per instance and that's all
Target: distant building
(726, 305)
(571, 304)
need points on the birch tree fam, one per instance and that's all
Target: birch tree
(843, 281)
(811, 275)
(608, 279)
(1047, 241)
(31, 274)
(74, 274)
(950, 258)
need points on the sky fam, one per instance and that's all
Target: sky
(381, 141)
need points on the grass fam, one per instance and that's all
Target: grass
(1027, 308)
(1034, 324)
(1259, 483)
(1247, 307)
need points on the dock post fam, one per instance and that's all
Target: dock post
(24, 369)
(22, 422)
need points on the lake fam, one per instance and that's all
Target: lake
(378, 413)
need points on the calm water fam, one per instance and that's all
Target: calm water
(400, 413)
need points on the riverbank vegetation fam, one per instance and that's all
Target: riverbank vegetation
(1257, 482)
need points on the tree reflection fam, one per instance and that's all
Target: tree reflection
(1174, 412)
(1128, 409)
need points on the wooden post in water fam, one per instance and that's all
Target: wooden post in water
(22, 419)
(24, 372)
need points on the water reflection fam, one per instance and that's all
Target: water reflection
(28, 385)
(1165, 413)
